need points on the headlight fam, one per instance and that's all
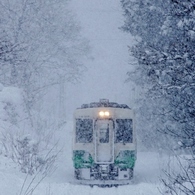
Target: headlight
(106, 113)
(102, 114)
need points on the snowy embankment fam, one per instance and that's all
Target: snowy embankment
(145, 182)
(61, 182)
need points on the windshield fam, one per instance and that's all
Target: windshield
(104, 133)
(84, 130)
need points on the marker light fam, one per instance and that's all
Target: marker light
(102, 113)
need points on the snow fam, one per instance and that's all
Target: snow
(10, 103)
(146, 179)
(10, 94)
(100, 21)
(61, 182)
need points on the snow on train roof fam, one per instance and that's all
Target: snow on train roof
(104, 103)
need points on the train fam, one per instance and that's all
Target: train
(104, 144)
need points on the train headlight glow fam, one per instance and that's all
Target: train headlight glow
(106, 113)
(102, 114)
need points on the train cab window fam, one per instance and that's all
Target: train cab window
(104, 134)
(84, 130)
(124, 131)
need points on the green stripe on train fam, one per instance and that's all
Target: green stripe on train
(125, 159)
(82, 159)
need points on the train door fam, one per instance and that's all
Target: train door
(104, 142)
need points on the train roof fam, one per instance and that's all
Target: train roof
(104, 103)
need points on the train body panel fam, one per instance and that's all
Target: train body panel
(104, 143)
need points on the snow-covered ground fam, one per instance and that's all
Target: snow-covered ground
(146, 180)
(60, 181)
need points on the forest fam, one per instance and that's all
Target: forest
(42, 48)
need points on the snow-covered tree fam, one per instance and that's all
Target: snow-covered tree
(166, 70)
(143, 19)
(40, 46)
(165, 58)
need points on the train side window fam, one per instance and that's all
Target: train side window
(84, 130)
(124, 131)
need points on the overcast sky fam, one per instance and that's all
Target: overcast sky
(100, 21)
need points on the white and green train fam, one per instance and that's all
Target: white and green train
(104, 143)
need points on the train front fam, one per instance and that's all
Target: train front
(104, 144)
